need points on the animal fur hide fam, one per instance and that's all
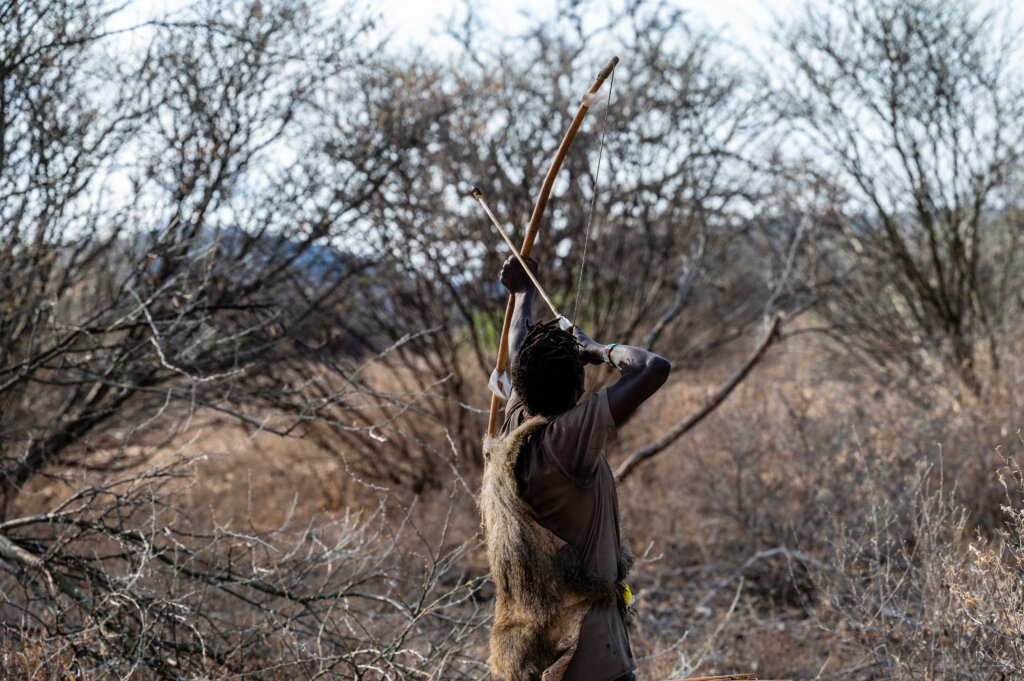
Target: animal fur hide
(543, 591)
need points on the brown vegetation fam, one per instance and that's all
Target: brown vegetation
(246, 324)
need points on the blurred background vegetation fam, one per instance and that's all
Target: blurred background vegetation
(247, 312)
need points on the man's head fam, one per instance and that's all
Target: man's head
(548, 373)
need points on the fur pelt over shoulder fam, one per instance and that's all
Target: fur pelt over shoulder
(543, 591)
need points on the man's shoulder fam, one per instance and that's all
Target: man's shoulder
(576, 438)
(592, 410)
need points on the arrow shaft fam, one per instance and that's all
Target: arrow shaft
(540, 289)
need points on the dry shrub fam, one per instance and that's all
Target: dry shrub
(780, 491)
(119, 581)
(812, 526)
(922, 595)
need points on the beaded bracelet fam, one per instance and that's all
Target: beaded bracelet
(606, 353)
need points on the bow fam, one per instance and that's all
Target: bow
(531, 230)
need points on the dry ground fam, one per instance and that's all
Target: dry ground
(802, 448)
(738, 523)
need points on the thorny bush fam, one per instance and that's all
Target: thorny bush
(117, 582)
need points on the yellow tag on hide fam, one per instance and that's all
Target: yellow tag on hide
(627, 594)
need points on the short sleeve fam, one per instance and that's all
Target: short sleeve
(575, 439)
(514, 410)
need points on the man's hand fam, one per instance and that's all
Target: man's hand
(590, 349)
(514, 278)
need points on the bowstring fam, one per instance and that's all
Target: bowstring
(593, 198)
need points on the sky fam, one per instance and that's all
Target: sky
(740, 22)
(744, 23)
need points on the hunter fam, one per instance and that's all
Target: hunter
(551, 513)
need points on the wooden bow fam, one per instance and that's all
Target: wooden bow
(531, 230)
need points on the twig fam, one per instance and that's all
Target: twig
(702, 607)
(769, 337)
(726, 677)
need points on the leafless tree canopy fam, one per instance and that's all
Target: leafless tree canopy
(915, 110)
(253, 218)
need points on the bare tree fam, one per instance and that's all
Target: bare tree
(184, 241)
(915, 108)
(188, 239)
(666, 214)
(53, 141)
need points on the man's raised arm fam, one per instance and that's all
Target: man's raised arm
(643, 372)
(515, 280)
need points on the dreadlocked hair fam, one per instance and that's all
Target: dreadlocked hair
(547, 371)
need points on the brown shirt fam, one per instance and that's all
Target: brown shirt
(565, 478)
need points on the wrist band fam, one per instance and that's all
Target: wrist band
(606, 354)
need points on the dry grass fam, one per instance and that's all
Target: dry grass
(816, 526)
(784, 469)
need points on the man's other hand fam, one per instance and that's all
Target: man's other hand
(514, 278)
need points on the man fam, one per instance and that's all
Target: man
(549, 503)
